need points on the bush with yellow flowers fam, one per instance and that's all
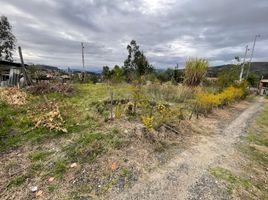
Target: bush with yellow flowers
(206, 101)
(148, 121)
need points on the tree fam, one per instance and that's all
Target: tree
(177, 75)
(253, 79)
(106, 73)
(136, 63)
(7, 40)
(195, 71)
(117, 74)
(228, 76)
(165, 75)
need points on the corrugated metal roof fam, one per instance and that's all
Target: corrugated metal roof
(264, 80)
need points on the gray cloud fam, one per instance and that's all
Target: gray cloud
(168, 32)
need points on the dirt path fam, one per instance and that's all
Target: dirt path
(186, 176)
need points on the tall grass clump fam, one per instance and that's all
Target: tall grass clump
(169, 92)
(195, 71)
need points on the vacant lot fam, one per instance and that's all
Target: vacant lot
(92, 141)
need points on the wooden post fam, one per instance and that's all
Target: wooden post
(27, 79)
(112, 99)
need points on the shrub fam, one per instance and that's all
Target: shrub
(228, 76)
(148, 121)
(206, 101)
(195, 71)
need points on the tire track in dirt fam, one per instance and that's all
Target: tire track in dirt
(186, 174)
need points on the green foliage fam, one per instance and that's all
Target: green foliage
(232, 180)
(7, 44)
(17, 181)
(106, 73)
(90, 145)
(117, 74)
(60, 167)
(195, 71)
(39, 155)
(169, 93)
(136, 63)
(51, 188)
(253, 79)
(228, 76)
(165, 75)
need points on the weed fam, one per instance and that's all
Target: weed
(18, 181)
(148, 121)
(60, 167)
(90, 145)
(232, 180)
(36, 166)
(39, 155)
(51, 188)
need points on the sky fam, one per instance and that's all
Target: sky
(168, 31)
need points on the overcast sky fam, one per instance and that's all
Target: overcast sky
(168, 31)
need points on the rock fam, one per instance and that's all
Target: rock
(85, 198)
(39, 193)
(126, 131)
(114, 166)
(73, 165)
(34, 188)
(51, 179)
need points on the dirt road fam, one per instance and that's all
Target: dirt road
(186, 176)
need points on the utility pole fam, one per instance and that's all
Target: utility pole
(83, 61)
(243, 65)
(253, 47)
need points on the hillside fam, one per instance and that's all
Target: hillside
(260, 68)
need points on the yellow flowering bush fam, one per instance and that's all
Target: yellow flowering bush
(161, 108)
(148, 121)
(231, 94)
(205, 101)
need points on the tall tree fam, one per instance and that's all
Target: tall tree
(117, 74)
(136, 62)
(7, 40)
(106, 73)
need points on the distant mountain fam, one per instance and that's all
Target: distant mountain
(45, 67)
(260, 68)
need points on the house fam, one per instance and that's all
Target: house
(263, 88)
(13, 74)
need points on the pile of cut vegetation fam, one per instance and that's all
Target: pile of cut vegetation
(45, 88)
(13, 96)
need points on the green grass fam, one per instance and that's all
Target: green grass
(90, 145)
(258, 135)
(35, 167)
(233, 181)
(51, 188)
(60, 167)
(16, 127)
(39, 155)
(17, 181)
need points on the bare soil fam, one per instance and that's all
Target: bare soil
(180, 171)
(186, 175)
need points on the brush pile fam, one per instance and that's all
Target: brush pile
(45, 88)
(49, 116)
(13, 96)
